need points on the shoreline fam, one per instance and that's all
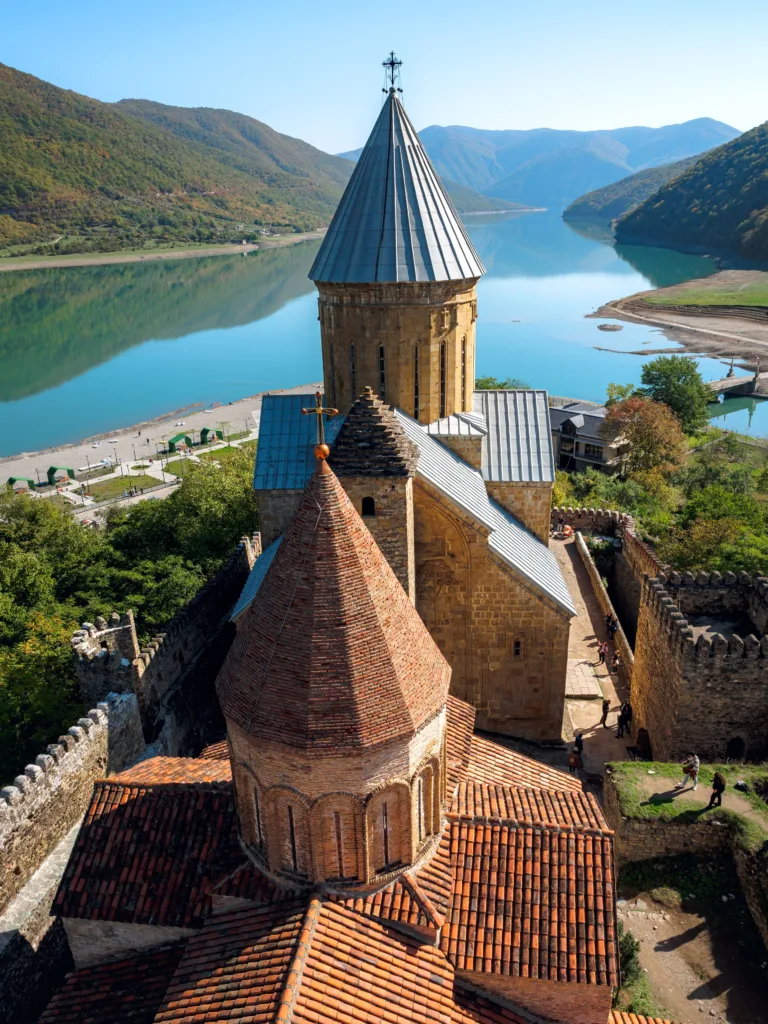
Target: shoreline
(90, 259)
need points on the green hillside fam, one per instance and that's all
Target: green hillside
(719, 203)
(613, 201)
(111, 175)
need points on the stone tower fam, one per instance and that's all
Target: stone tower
(335, 695)
(396, 275)
(376, 464)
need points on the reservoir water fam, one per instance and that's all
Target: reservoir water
(90, 349)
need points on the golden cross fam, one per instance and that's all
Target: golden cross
(320, 411)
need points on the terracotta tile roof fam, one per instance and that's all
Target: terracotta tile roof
(331, 654)
(482, 801)
(236, 968)
(158, 771)
(435, 877)
(246, 882)
(216, 751)
(531, 901)
(147, 854)
(460, 724)
(402, 902)
(473, 1008)
(372, 443)
(135, 985)
(490, 762)
(621, 1017)
(356, 969)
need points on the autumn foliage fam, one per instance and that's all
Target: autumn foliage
(648, 435)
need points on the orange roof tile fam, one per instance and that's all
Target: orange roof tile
(482, 801)
(331, 654)
(621, 1017)
(158, 771)
(434, 877)
(534, 902)
(136, 985)
(236, 967)
(474, 1008)
(216, 751)
(148, 853)
(402, 902)
(491, 762)
(246, 882)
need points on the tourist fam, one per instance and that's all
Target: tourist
(574, 762)
(690, 771)
(604, 716)
(580, 743)
(613, 626)
(718, 787)
(625, 717)
(608, 618)
(602, 650)
(615, 662)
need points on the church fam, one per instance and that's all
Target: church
(354, 851)
(454, 484)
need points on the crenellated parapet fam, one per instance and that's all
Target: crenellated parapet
(593, 520)
(109, 658)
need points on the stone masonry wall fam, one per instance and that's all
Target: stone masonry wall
(411, 323)
(276, 508)
(620, 641)
(699, 694)
(470, 449)
(107, 654)
(531, 503)
(506, 643)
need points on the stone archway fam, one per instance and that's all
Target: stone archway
(735, 749)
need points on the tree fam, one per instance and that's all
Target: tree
(647, 435)
(716, 502)
(495, 384)
(618, 392)
(676, 381)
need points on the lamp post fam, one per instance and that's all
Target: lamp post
(38, 478)
(134, 452)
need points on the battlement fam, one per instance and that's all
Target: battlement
(107, 654)
(49, 797)
(593, 520)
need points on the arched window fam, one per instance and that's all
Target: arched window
(382, 375)
(292, 838)
(353, 371)
(442, 380)
(517, 648)
(368, 508)
(420, 809)
(259, 825)
(464, 374)
(415, 382)
(385, 836)
(338, 835)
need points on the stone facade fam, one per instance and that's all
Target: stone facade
(275, 511)
(529, 502)
(507, 645)
(701, 668)
(470, 449)
(413, 343)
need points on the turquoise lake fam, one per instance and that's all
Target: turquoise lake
(85, 350)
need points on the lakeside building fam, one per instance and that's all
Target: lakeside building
(577, 440)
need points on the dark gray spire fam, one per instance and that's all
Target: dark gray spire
(395, 221)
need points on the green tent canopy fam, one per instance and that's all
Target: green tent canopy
(176, 439)
(205, 434)
(12, 480)
(53, 470)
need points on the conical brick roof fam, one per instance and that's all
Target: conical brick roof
(395, 221)
(331, 655)
(371, 442)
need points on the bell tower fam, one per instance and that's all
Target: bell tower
(396, 277)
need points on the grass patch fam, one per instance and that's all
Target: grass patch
(754, 293)
(114, 488)
(140, 465)
(638, 998)
(179, 467)
(750, 834)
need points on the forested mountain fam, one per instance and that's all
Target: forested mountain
(612, 201)
(719, 203)
(549, 167)
(71, 165)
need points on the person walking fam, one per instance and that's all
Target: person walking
(615, 662)
(690, 771)
(574, 762)
(629, 714)
(624, 719)
(718, 788)
(601, 649)
(579, 743)
(604, 716)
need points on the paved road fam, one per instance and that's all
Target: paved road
(143, 440)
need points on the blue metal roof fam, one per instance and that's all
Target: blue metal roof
(285, 455)
(255, 578)
(395, 221)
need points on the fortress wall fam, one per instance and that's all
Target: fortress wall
(620, 641)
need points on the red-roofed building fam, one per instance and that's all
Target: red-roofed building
(353, 853)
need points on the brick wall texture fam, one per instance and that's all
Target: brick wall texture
(421, 328)
(557, 1001)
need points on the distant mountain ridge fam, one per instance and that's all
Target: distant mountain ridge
(721, 202)
(613, 201)
(551, 167)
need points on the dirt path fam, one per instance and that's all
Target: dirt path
(95, 258)
(587, 630)
(664, 789)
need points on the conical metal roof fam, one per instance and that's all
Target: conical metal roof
(395, 221)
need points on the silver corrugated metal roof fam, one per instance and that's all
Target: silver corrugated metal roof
(255, 577)
(508, 538)
(519, 442)
(460, 424)
(285, 455)
(395, 221)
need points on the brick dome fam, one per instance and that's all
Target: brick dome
(332, 655)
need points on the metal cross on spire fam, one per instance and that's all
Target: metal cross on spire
(392, 67)
(319, 411)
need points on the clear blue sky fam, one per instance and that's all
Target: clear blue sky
(312, 69)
